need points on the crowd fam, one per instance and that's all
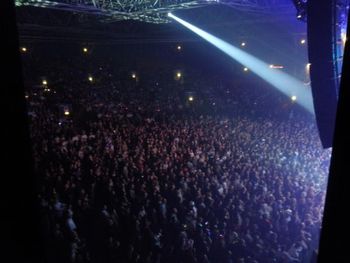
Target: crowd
(135, 172)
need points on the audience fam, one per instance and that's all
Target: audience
(138, 173)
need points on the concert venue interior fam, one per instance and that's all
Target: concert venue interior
(181, 130)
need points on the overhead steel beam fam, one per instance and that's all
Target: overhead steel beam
(152, 11)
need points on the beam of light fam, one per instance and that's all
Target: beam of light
(278, 79)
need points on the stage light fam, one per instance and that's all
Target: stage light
(179, 47)
(44, 82)
(190, 98)
(91, 79)
(278, 79)
(170, 14)
(276, 66)
(301, 10)
(343, 38)
(24, 49)
(26, 96)
(245, 69)
(293, 98)
(303, 41)
(85, 50)
(133, 75)
(243, 44)
(66, 112)
(178, 74)
(307, 68)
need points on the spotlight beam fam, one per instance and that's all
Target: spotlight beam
(285, 83)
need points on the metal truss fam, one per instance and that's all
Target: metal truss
(152, 11)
